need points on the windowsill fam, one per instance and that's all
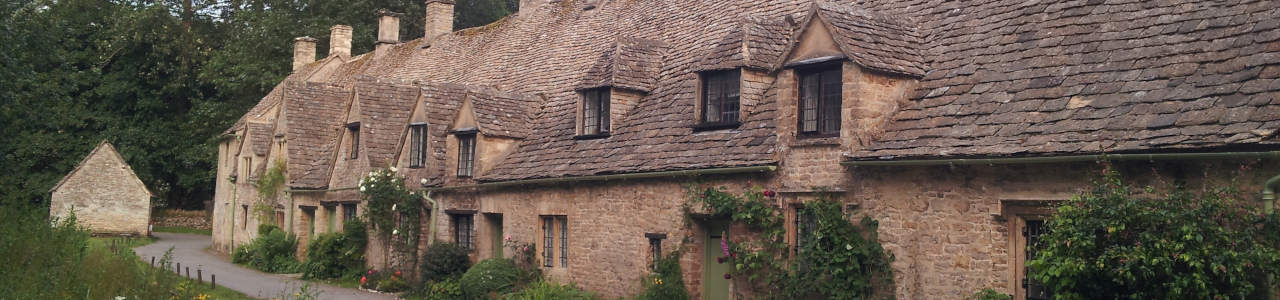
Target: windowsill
(415, 167)
(715, 126)
(817, 140)
(591, 136)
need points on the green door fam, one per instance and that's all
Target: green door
(714, 284)
(496, 239)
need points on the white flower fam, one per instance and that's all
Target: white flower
(361, 188)
(393, 169)
(395, 231)
(393, 207)
(848, 247)
(423, 181)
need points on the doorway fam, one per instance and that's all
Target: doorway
(495, 233)
(715, 266)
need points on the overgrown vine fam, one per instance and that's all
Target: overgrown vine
(395, 214)
(268, 185)
(839, 260)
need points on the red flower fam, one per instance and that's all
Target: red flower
(363, 280)
(720, 259)
(768, 193)
(727, 276)
(397, 273)
(370, 271)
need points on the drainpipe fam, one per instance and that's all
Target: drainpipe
(1269, 194)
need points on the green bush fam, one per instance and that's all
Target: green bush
(1117, 241)
(543, 290)
(666, 282)
(990, 294)
(271, 252)
(489, 276)
(839, 260)
(444, 260)
(337, 255)
(445, 289)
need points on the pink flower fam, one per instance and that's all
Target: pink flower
(724, 244)
(720, 259)
(768, 193)
(363, 280)
(727, 276)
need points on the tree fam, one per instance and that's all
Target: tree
(1118, 241)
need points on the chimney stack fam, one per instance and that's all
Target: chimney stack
(340, 40)
(304, 52)
(439, 18)
(388, 29)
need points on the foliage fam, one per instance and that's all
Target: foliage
(543, 290)
(989, 294)
(1117, 241)
(71, 265)
(525, 259)
(395, 213)
(272, 251)
(160, 79)
(666, 282)
(337, 255)
(445, 289)
(840, 261)
(268, 185)
(494, 275)
(384, 281)
(444, 261)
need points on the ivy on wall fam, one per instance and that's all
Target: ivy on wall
(839, 260)
(268, 185)
(395, 214)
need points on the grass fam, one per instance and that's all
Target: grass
(182, 230)
(123, 243)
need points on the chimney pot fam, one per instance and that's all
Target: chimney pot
(304, 52)
(439, 18)
(340, 40)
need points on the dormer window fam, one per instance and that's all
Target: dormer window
(595, 112)
(720, 97)
(354, 128)
(820, 91)
(466, 154)
(417, 145)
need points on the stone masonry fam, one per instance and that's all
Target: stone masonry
(104, 194)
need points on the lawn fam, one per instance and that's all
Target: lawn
(182, 230)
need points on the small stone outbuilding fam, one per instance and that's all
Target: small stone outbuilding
(107, 197)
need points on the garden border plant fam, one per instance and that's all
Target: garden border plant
(840, 260)
(394, 214)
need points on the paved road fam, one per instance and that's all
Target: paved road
(192, 250)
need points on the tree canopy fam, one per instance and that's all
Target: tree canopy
(159, 79)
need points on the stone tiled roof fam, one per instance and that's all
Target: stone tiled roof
(753, 43)
(384, 109)
(502, 114)
(260, 136)
(874, 40)
(313, 116)
(633, 63)
(1016, 78)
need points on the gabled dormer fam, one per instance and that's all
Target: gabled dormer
(488, 127)
(615, 83)
(734, 73)
(843, 75)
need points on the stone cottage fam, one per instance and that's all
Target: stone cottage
(575, 124)
(104, 193)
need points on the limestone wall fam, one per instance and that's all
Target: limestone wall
(106, 196)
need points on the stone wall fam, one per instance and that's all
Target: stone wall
(104, 194)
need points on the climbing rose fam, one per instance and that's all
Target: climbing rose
(768, 193)
(727, 276)
(363, 280)
(724, 245)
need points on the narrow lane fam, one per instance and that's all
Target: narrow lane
(191, 251)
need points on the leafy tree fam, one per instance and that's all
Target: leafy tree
(1118, 241)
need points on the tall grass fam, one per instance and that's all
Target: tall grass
(55, 259)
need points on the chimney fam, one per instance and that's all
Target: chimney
(340, 40)
(388, 29)
(304, 52)
(439, 18)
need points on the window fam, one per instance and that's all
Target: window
(820, 92)
(551, 225)
(330, 218)
(804, 225)
(655, 248)
(595, 111)
(462, 228)
(247, 168)
(244, 222)
(280, 219)
(348, 213)
(309, 213)
(354, 128)
(466, 154)
(1031, 232)
(417, 145)
(720, 93)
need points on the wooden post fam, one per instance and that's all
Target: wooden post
(213, 280)
(153, 261)
(178, 269)
(188, 272)
(199, 276)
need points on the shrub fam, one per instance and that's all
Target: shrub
(384, 281)
(839, 260)
(271, 252)
(444, 260)
(445, 289)
(337, 255)
(990, 294)
(666, 282)
(1117, 241)
(543, 290)
(489, 276)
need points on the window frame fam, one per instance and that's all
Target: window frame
(720, 86)
(553, 227)
(354, 129)
(417, 145)
(348, 212)
(601, 123)
(826, 122)
(655, 248)
(466, 154)
(463, 238)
